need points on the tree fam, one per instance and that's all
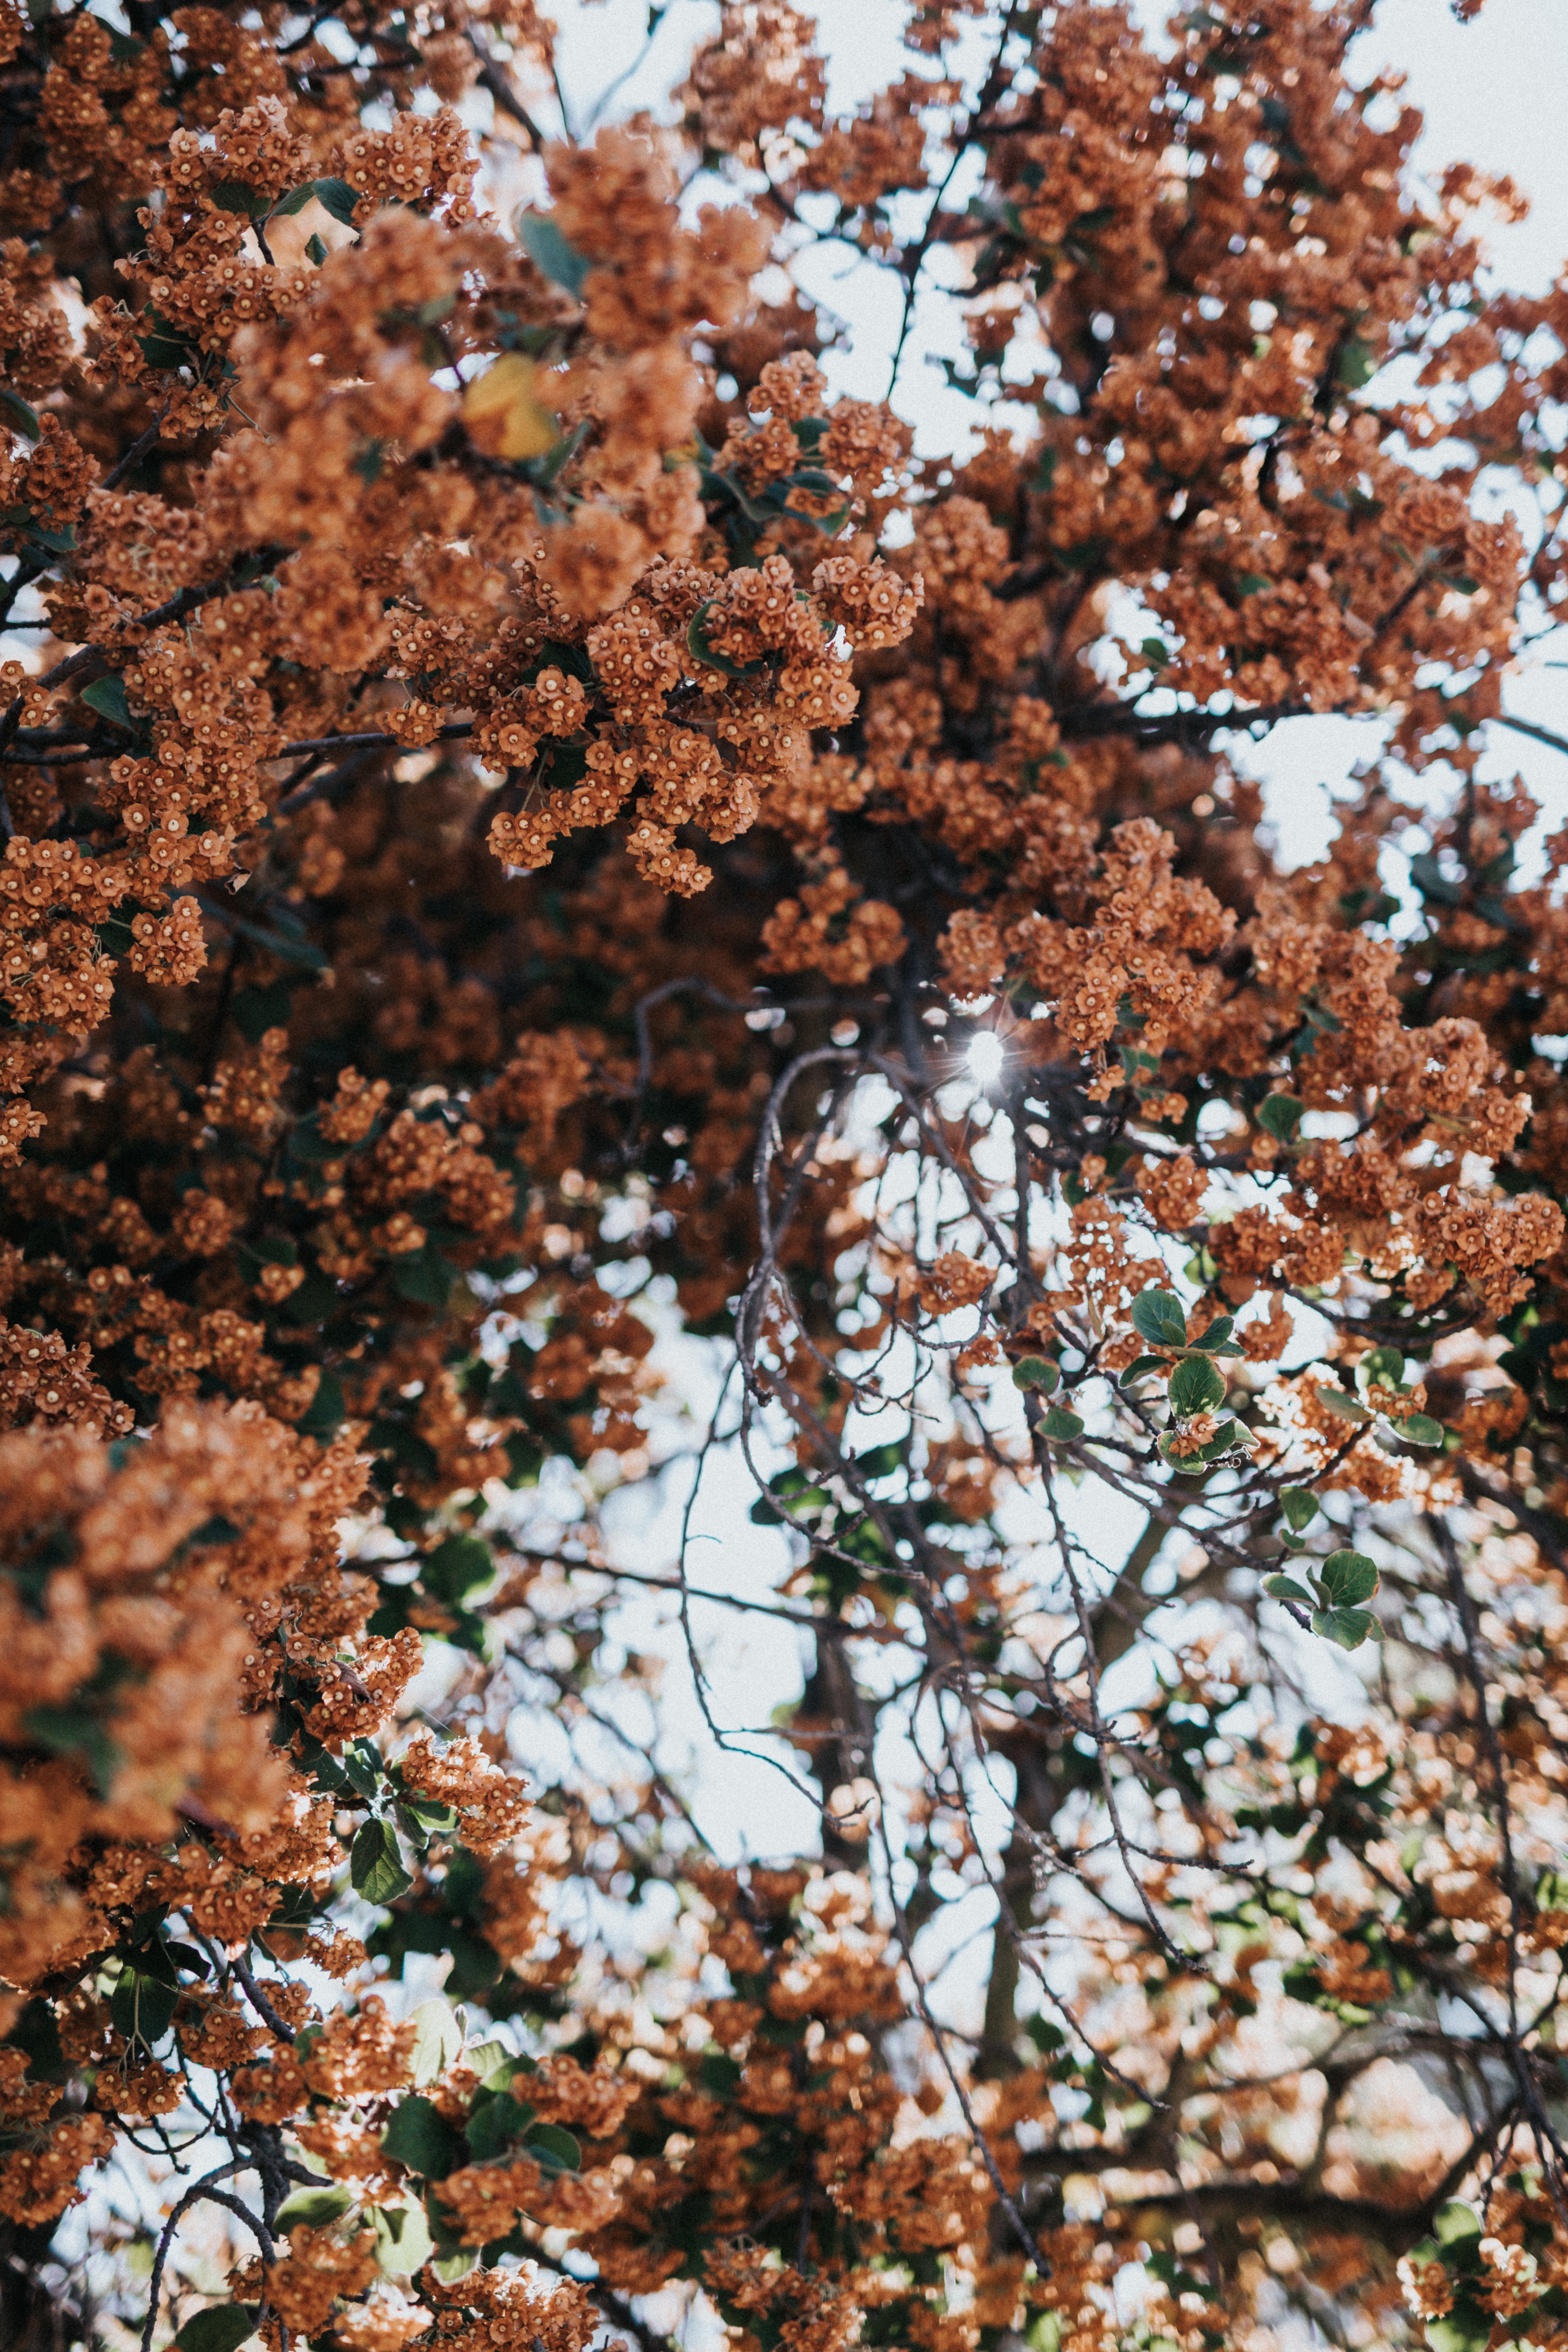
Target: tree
(535, 827)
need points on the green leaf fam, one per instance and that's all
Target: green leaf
(1348, 1627)
(1036, 1372)
(315, 250)
(1155, 650)
(1354, 365)
(557, 2148)
(238, 196)
(315, 2206)
(1426, 872)
(1420, 1428)
(336, 197)
(1217, 1335)
(419, 2138)
(20, 413)
(437, 2039)
(543, 471)
(294, 201)
(1158, 1316)
(362, 1767)
(107, 696)
(1381, 1368)
(322, 1417)
(73, 1731)
(495, 2120)
(375, 1864)
(1282, 1116)
(1454, 2221)
(170, 351)
(1300, 1508)
(549, 250)
(1344, 1407)
(490, 2061)
(457, 1568)
(1348, 1578)
(142, 2008)
(1059, 1423)
(425, 1277)
(1285, 1588)
(721, 2074)
(221, 2327)
(402, 2240)
(1196, 1386)
(880, 1461)
(1141, 1367)
(1466, 2328)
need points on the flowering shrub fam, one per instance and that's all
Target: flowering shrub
(534, 825)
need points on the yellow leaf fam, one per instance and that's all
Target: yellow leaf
(504, 412)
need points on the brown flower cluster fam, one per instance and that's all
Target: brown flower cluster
(559, 878)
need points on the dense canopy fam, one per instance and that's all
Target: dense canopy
(581, 930)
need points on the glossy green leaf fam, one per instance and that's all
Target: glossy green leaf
(494, 2065)
(336, 196)
(495, 2120)
(1280, 1115)
(315, 2206)
(402, 2240)
(1158, 1316)
(1466, 2328)
(142, 2008)
(437, 2039)
(1348, 1578)
(363, 1767)
(1059, 1423)
(1342, 1405)
(1299, 1506)
(1348, 1627)
(1285, 1588)
(107, 696)
(1381, 1368)
(221, 2327)
(238, 196)
(1196, 1386)
(1036, 1372)
(420, 2137)
(322, 1417)
(20, 415)
(557, 2148)
(1354, 365)
(1217, 1335)
(458, 1567)
(549, 250)
(1420, 1428)
(375, 1864)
